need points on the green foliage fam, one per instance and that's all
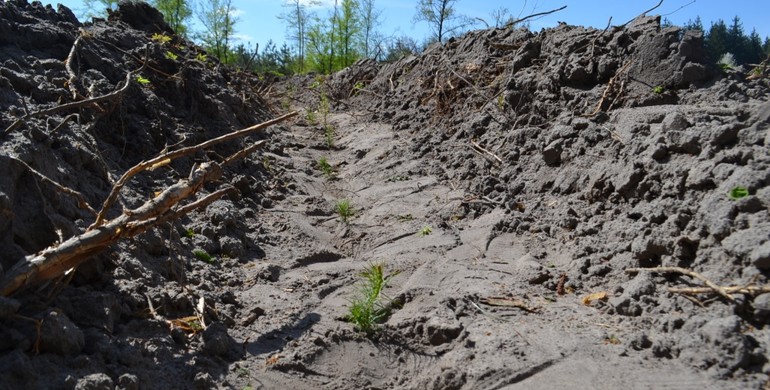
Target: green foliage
(310, 117)
(161, 38)
(738, 192)
(658, 89)
(325, 167)
(370, 305)
(203, 256)
(201, 57)
(329, 136)
(171, 56)
(426, 230)
(144, 81)
(176, 13)
(344, 209)
(441, 18)
(218, 22)
(189, 233)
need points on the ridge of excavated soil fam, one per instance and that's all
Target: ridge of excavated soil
(544, 164)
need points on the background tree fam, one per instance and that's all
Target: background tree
(347, 32)
(369, 18)
(501, 16)
(298, 18)
(218, 21)
(176, 13)
(441, 16)
(98, 8)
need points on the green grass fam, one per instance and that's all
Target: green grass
(204, 256)
(326, 168)
(344, 209)
(370, 306)
(658, 90)
(738, 192)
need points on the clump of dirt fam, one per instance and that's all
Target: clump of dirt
(539, 195)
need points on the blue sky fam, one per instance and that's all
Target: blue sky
(259, 23)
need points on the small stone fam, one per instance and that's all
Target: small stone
(552, 153)
(95, 382)
(60, 335)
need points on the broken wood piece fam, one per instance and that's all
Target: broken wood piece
(486, 154)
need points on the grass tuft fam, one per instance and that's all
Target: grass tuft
(344, 209)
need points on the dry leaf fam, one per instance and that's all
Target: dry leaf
(599, 296)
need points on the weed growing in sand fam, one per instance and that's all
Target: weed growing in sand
(329, 136)
(142, 80)
(370, 306)
(203, 255)
(344, 209)
(171, 56)
(727, 62)
(310, 117)
(500, 102)
(426, 230)
(326, 168)
(658, 90)
(161, 38)
(738, 192)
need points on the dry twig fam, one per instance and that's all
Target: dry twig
(711, 285)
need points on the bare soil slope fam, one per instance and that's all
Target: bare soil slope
(546, 165)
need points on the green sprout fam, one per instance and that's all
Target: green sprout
(171, 56)
(658, 89)
(161, 38)
(329, 136)
(326, 168)
(344, 209)
(738, 192)
(189, 233)
(500, 101)
(426, 230)
(310, 117)
(201, 57)
(142, 80)
(370, 306)
(203, 255)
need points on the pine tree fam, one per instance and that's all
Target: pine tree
(716, 40)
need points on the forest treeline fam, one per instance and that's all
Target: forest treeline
(325, 40)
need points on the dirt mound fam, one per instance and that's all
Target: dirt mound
(515, 179)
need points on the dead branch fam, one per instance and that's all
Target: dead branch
(57, 260)
(610, 88)
(80, 198)
(167, 157)
(81, 103)
(486, 154)
(748, 290)
(711, 285)
(641, 14)
(72, 81)
(511, 24)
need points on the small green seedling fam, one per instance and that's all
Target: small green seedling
(738, 192)
(329, 136)
(370, 306)
(658, 90)
(344, 209)
(326, 168)
(310, 117)
(161, 38)
(203, 255)
(189, 233)
(171, 56)
(142, 80)
(426, 230)
(201, 57)
(500, 101)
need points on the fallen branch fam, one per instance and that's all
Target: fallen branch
(513, 23)
(81, 103)
(486, 154)
(748, 290)
(57, 260)
(711, 285)
(641, 14)
(167, 157)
